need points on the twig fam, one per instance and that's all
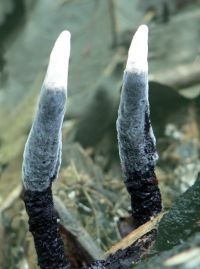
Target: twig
(135, 235)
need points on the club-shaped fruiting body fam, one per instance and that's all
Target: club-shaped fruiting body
(135, 135)
(137, 145)
(42, 154)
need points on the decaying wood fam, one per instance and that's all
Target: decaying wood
(129, 250)
(126, 257)
(135, 235)
(86, 245)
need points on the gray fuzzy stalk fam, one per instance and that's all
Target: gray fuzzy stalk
(42, 154)
(135, 135)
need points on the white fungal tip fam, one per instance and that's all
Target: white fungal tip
(138, 51)
(57, 72)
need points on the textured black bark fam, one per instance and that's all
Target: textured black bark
(145, 196)
(124, 258)
(44, 228)
(48, 243)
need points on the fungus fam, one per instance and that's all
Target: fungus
(42, 157)
(137, 148)
(42, 154)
